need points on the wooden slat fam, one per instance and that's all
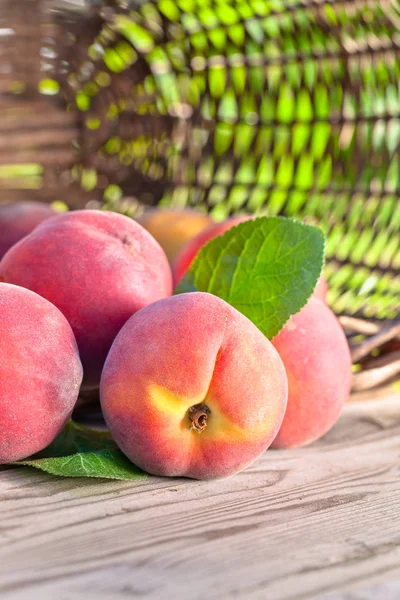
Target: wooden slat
(22, 183)
(73, 196)
(26, 140)
(7, 81)
(44, 119)
(320, 522)
(56, 157)
(26, 105)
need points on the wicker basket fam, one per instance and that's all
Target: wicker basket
(264, 106)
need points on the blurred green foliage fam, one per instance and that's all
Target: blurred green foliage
(262, 106)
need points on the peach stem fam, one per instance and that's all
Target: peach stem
(198, 417)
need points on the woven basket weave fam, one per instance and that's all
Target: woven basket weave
(232, 106)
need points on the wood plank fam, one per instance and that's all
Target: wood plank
(39, 139)
(73, 196)
(23, 104)
(23, 183)
(320, 522)
(61, 157)
(42, 119)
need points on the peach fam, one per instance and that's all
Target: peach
(98, 268)
(314, 350)
(192, 388)
(173, 228)
(40, 373)
(190, 250)
(321, 289)
(19, 219)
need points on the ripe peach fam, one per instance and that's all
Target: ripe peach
(98, 268)
(174, 228)
(19, 219)
(189, 252)
(321, 289)
(40, 373)
(192, 388)
(314, 350)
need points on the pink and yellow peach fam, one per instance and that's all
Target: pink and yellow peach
(98, 268)
(192, 388)
(19, 219)
(40, 373)
(190, 250)
(321, 289)
(174, 228)
(314, 350)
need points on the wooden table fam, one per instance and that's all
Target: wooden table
(321, 522)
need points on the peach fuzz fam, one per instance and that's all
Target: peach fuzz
(98, 268)
(321, 289)
(19, 219)
(40, 373)
(192, 388)
(173, 228)
(314, 350)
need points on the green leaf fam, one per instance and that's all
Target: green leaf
(105, 464)
(82, 452)
(266, 268)
(76, 438)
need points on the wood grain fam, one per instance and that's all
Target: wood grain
(320, 522)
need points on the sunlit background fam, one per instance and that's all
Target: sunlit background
(231, 106)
